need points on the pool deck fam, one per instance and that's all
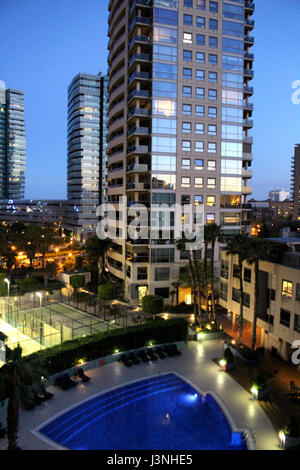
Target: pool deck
(194, 365)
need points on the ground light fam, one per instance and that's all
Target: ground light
(282, 438)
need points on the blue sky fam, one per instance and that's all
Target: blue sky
(45, 43)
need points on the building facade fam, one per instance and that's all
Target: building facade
(87, 129)
(279, 195)
(12, 144)
(296, 182)
(179, 123)
(279, 293)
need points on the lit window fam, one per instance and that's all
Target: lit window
(287, 288)
(185, 182)
(211, 183)
(187, 38)
(186, 127)
(211, 147)
(200, 75)
(198, 182)
(199, 110)
(212, 129)
(210, 218)
(211, 201)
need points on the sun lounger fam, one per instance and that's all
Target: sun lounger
(35, 398)
(64, 382)
(151, 354)
(125, 361)
(160, 353)
(142, 354)
(81, 375)
(169, 351)
(174, 348)
(133, 358)
(44, 394)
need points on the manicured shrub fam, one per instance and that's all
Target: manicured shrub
(152, 304)
(65, 355)
(107, 291)
(28, 284)
(260, 382)
(181, 308)
(77, 281)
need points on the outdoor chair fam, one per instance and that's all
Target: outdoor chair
(133, 358)
(151, 354)
(81, 375)
(125, 361)
(63, 381)
(45, 395)
(142, 354)
(35, 398)
(160, 353)
(174, 348)
(167, 349)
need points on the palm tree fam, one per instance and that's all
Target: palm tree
(258, 249)
(47, 238)
(198, 276)
(181, 246)
(238, 245)
(96, 250)
(212, 234)
(176, 285)
(16, 376)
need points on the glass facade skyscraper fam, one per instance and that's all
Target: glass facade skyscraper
(87, 129)
(12, 144)
(179, 123)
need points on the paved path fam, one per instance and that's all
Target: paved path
(195, 365)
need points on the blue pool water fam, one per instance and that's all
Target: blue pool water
(159, 413)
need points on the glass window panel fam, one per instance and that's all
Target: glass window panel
(233, 63)
(164, 126)
(163, 34)
(232, 184)
(231, 167)
(162, 15)
(200, 57)
(200, 39)
(232, 149)
(231, 28)
(163, 163)
(163, 181)
(162, 52)
(199, 164)
(232, 132)
(164, 89)
(164, 107)
(167, 71)
(164, 144)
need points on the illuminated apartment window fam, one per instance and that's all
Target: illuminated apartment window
(287, 289)
(185, 182)
(187, 38)
(198, 182)
(211, 201)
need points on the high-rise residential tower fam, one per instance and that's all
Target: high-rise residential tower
(179, 123)
(296, 182)
(87, 132)
(12, 144)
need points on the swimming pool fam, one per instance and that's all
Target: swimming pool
(157, 413)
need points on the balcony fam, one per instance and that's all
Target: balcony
(248, 56)
(247, 157)
(139, 241)
(139, 76)
(137, 112)
(139, 58)
(138, 131)
(138, 94)
(248, 90)
(247, 190)
(249, 7)
(142, 149)
(138, 168)
(249, 40)
(246, 207)
(137, 259)
(140, 39)
(246, 173)
(140, 20)
(247, 139)
(249, 24)
(249, 73)
(138, 186)
(247, 123)
(248, 106)
(142, 3)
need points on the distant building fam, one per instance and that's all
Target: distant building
(12, 144)
(279, 195)
(296, 182)
(279, 293)
(87, 130)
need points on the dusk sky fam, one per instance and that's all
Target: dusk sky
(45, 43)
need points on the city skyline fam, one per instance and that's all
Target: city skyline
(45, 87)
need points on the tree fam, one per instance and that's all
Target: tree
(181, 246)
(47, 238)
(152, 304)
(16, 376)
(212, 234)
(96, 250)
(176, 285)
(31, 242)
(238, 245)
(3, 285)
(258, 249)
(107, 291)
(28, 285)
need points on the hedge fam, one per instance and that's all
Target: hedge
(67, 354)
(152, 304)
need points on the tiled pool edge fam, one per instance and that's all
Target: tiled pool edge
(249, 439)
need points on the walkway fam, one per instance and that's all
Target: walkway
(195, 365)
